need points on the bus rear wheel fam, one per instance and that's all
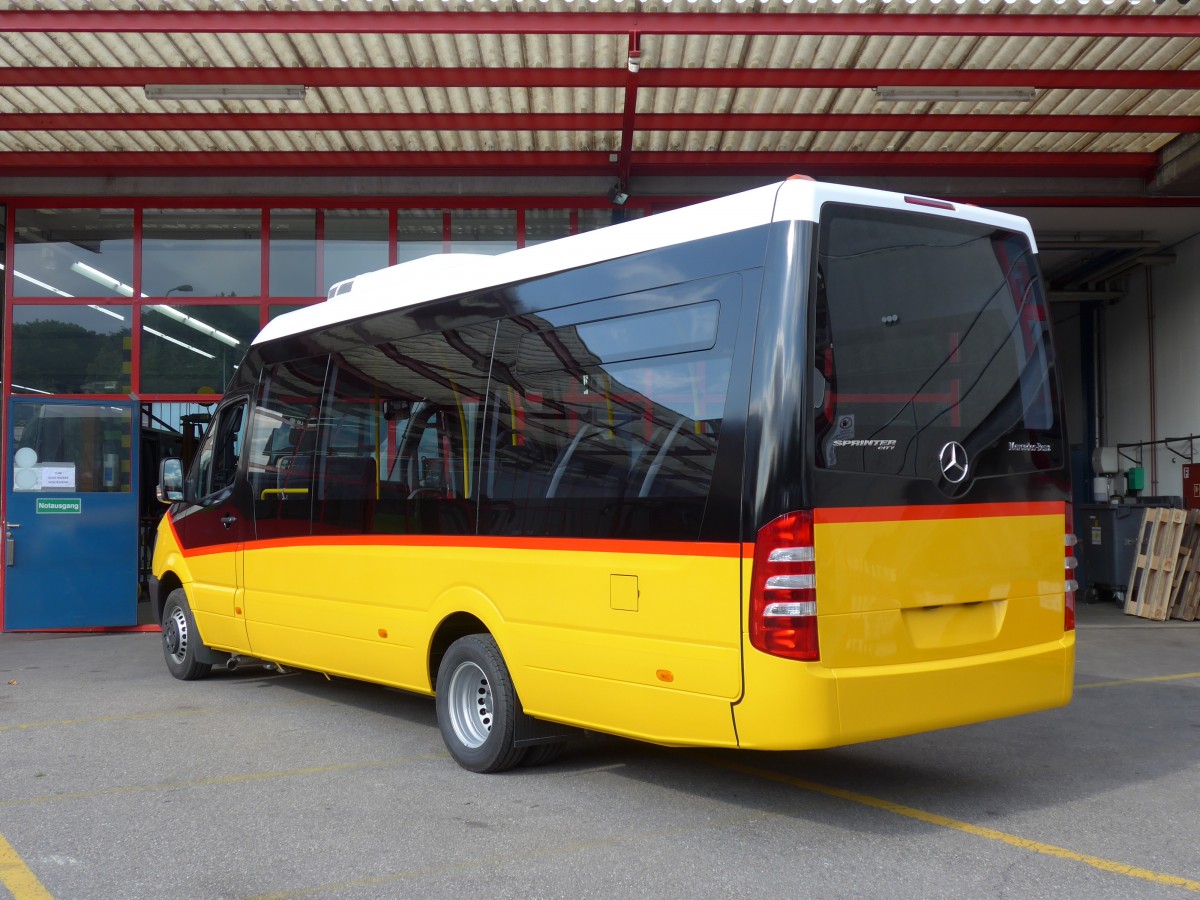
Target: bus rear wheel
(477, 706)
(543, 754)
(180, 639)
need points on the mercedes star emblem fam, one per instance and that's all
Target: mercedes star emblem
(953, 458)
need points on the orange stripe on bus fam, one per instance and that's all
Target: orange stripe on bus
(471, 542)
(209, 549)
(832, 516)
(206, 550)
(825, 516)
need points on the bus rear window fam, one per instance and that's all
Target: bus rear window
(928, 331)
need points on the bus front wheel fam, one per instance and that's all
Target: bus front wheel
(477, 706)
(180, 639)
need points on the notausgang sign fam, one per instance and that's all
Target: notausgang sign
(70, 506)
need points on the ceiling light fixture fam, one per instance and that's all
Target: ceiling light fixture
(195, 324)
(955, 93)
(49, 287)
(225, 91)
(113, 284)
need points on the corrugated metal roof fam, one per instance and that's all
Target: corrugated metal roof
(383, 92)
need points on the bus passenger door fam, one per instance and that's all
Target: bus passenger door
(213, 527)
(280, 564)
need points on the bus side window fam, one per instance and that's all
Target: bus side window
(413, 405)
(589, 442)
(220, 453)
(346, 469)
(283, 444)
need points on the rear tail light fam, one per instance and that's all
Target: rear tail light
(783, 591)
(926, 201)
(1070, 585)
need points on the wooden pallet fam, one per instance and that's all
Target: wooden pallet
(1185, 569)
(1153, 575)
(1188, 605)
(1185, 604)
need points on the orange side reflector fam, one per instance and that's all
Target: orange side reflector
(665, 675)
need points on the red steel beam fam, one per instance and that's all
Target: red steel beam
(1047, 79)
(866, 122)
(339, 77)
(340, 162)
(427, 201)
(747, 20)
(629, 111)
(916, 163)
(1110, 165)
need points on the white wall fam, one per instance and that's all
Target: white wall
(1175, 293)
(1069, 363)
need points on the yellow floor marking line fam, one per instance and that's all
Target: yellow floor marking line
(158, 714)
(1096, 684)
(1104, 865)
(16, 876)
(223, 780)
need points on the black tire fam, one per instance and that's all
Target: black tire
(181, 639)
(543, 754)
(477, 707)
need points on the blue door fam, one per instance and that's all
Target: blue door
(72, 515)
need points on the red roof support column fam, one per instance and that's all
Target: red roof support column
(625, 154)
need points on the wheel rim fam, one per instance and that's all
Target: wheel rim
(175, 634)
(470, 705)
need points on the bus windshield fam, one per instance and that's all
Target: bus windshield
(929, 331)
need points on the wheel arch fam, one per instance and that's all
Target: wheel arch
(458, 612)
(169, 568)
(167, 582)
(449, 630)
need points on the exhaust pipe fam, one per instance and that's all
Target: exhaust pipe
(242, 662)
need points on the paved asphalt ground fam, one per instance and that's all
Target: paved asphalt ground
(117, 781)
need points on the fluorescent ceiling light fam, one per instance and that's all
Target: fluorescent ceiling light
(113, 284)
(195, 324)
(107, 312)
(34, 281)
(102, 278)
(167, 337)
(955, 93)
(225, 91)
(50, 287)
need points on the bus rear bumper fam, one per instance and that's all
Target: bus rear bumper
(799, 706)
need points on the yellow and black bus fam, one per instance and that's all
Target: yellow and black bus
(781, 470)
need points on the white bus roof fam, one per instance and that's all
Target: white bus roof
(447, 274)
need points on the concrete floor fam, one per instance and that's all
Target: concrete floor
(116, 781)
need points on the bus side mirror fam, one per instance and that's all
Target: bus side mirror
(170, 480)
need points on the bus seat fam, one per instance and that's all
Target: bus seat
(347, 493)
